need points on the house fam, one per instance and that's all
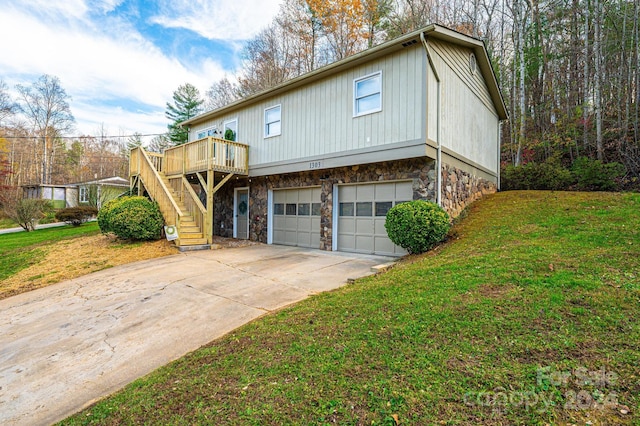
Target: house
(98, 191)
(95, 192)
(61, 196)
(318, 160)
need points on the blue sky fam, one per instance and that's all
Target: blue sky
(121, 60)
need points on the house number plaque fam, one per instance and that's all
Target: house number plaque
(315, 165)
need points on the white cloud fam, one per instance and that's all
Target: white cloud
(222, 19)
(94, 68)
(114, 75)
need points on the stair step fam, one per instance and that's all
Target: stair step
(194, 236)
(193, 241)
(190, 231)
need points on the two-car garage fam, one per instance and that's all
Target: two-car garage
(359, 212)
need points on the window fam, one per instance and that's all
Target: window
(291, 209)
(231, 130)
(382, 207)
(84, 194)
(346, 209)
(272, 123)
(367, 94)
(304, 209)
(210, 131)
(278, 209)
(315, 209)
(364, 208)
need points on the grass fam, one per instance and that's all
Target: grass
(528, 315)
(37, 259)
(23, 249)
(7, 223)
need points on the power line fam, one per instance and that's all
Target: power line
(85, 136)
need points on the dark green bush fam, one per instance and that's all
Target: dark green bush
(76, 215)
(417, 226)
(594, 175)
(550, 175)
(131, 218)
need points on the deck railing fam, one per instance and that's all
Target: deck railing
(204, 154)
(190, 200)
(142, 166)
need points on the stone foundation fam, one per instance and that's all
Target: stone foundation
(459, 189)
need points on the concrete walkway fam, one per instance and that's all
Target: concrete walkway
(65, 346)
(44, 226)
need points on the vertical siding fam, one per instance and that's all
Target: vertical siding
(468, 120)
(317, 118)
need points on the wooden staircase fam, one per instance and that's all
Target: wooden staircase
(189, 232)
(164, 177)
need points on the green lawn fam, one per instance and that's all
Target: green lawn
(7, 223)
(22, 249)
(529, 315)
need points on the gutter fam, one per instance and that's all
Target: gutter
(438, 144)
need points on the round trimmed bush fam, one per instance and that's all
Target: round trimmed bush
(417, 226)
(131, 218)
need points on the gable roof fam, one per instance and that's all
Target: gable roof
(432, 31)
(108, 181)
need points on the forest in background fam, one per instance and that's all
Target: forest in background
(569, 71)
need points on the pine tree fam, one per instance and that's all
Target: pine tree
(186, 104)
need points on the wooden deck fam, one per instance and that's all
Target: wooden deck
(202, 155)
(164, 177)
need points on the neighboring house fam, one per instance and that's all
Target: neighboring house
(61, 196)
(95, 192)
(99, 191)
(322, 158)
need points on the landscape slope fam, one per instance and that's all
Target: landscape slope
(527, 315)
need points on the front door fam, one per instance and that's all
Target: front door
(241, 228)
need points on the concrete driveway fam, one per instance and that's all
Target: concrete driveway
(65, 346)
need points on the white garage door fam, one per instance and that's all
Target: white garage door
(362, 212)
(296, 217)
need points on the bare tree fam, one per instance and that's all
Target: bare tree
(221, 93)
(46, 105)
(7, 106)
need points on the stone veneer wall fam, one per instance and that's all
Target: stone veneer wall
(460, 188)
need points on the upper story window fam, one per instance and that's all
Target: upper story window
(209, 131)
(231, 130)
(272, 121)
(367, 94)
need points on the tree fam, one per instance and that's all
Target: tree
(133, 141)
(46, 105)
(159, 143)
(342, 23)
(186, 104)
(268, 58)
(220, 94)
(7, 106)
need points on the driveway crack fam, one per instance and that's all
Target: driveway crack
(227, 298)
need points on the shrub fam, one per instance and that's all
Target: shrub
(26, 212)
(550, 175)
(76, 215)
(131, 218)
(417, 226)
(594, 175)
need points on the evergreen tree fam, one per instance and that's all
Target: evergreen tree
(186, 104)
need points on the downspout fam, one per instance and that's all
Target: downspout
(499, 152)
(438, 146)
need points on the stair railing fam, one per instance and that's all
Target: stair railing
(157, 189)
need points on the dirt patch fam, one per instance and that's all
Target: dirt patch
(73, 258)
(80, 256)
